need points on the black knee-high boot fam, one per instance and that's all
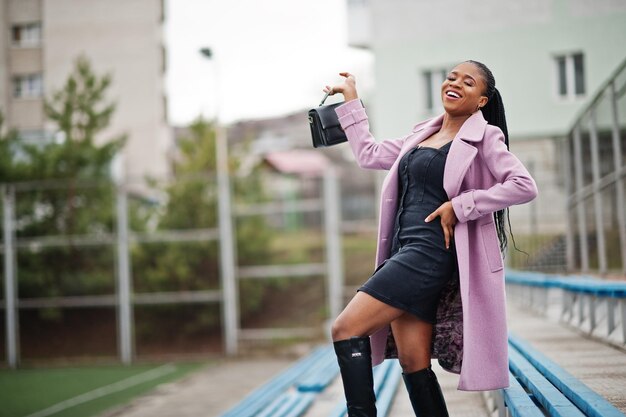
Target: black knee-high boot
(355, 363)
(425, 393)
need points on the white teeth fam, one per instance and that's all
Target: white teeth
(453, 94)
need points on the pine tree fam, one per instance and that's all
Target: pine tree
(71, 193)
(10, 167)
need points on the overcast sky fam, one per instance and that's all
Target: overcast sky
(271, 57)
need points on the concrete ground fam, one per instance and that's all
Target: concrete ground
(206, 393)
(215, 389)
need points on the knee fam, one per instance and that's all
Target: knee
(341, 330)
(412, 363)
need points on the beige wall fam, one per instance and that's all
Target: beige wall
(26, 60)
(123, 38)
(27, 114)
(24, 11)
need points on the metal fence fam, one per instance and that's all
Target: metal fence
(115, 236)
(594, 172)
(330, 210)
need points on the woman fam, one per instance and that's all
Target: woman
(438, 289)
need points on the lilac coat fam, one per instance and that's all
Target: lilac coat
(480, 177)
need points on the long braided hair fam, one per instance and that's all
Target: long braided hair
(493, 112)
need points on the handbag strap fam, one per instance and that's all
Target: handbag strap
(324, 99)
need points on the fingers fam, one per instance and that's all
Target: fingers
(349, 77)
(340, 88)
(448, 231)
(446, 224)
(431, 216)
(446, 235)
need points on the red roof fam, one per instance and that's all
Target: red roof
(299, 161)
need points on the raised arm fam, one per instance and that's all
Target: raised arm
(353, 119)
(368, 152)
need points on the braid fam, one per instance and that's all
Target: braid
(493, 112)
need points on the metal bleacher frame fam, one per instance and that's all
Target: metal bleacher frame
(539, 387)
(593, 306)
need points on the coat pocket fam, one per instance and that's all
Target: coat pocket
(492, 246)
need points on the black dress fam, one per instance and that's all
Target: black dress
(420, 265)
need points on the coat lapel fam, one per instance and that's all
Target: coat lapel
(462, 153)
(459, 159)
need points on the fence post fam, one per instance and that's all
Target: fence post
(230, 293)
(597, 192)
(10, 290)
(579, 201)
(619, 183)
(334, 249)
(124, 286)
(622, 307)
(569, 205)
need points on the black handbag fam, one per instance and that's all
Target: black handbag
(325, 127)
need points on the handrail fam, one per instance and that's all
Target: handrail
(582, 284)
(595, 306)
(582, 182)
(596, 96)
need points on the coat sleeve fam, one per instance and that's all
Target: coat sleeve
(368, 152)
(514, 183)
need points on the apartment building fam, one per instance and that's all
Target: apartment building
(41, 39)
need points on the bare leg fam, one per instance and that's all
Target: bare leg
(413, 338)
(362, 316)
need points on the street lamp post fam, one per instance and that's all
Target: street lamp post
(230, 293)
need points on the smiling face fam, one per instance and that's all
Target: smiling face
(463, 90)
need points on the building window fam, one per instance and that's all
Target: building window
(25, 86)
(26, 34)
(35, 136)
(570, 75)
(432, 87)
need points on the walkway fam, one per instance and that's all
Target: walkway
(215, 389)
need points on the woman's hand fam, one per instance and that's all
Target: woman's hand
(348, 88)
(448, 220)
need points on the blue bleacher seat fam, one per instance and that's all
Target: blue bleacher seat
(586, 400)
